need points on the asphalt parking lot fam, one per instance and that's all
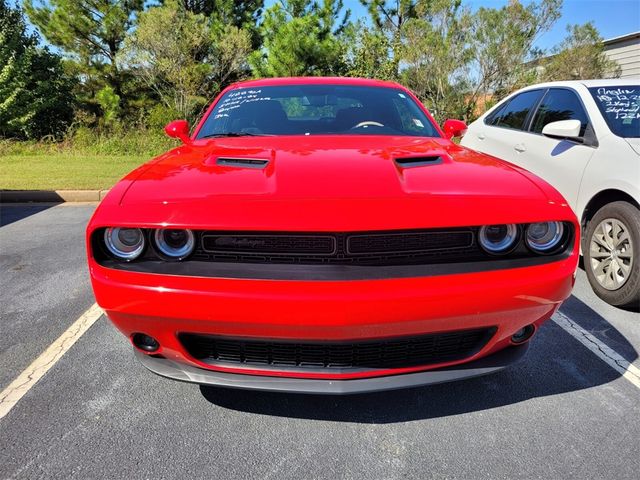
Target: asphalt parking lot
(563, 412)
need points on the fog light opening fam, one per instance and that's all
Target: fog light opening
(145, 342)
(523, 334)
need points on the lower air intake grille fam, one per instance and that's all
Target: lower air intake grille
(398, 352)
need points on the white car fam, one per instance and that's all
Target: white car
(583, 137)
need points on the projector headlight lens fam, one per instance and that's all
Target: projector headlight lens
(544, 237)
(174, 243)
(124, 243)
(498, 239)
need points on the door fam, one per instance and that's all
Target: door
(502, 132)
(560, 162)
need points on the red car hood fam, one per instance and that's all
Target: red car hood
(329, 183)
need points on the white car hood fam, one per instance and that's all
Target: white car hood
(635, 144)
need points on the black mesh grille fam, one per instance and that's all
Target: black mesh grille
(373, 248)
(391, 353)
(407, 242)
(269, 244)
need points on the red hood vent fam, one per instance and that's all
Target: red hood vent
(258, 163)
(410, 162)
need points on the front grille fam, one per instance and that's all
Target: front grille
(370, 248)
(269, 244)
(407, 242)
(399, 352)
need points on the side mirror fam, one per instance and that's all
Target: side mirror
(454, 128)
(178, 129)
(562, 129)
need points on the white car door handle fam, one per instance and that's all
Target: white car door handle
(520, 148)
(481, 136)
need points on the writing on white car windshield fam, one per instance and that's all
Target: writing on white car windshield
(620, 107)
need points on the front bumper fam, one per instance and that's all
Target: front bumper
(188, 373)
(165, 306)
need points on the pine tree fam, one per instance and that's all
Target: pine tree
(92, 32)
(302, 37)
(35, 94)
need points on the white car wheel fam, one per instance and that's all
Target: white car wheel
(611, 253)
(611, 249)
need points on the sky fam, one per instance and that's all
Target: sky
(612, 18)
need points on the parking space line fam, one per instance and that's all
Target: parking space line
(41, 365)
(601, 350)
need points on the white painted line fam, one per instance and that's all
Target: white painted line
(41, 365)
(601, 350)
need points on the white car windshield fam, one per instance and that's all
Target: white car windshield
(620, 107)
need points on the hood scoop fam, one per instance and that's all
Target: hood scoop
(258, 163)
(410, 162)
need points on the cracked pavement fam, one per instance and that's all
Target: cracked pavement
(561, 413)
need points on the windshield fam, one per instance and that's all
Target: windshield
(317, 110)
(620, 107)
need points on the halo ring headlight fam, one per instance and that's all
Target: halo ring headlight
(498, 239)
(124, 243)
(176, 244)
(544, 237)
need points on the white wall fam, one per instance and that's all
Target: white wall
(627, 55)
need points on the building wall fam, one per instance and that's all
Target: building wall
(625, 53)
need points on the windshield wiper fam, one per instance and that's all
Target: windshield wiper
(236, 134)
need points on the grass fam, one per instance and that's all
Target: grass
(64, 171)
(85, 161)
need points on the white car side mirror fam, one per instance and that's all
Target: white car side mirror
(562, 129)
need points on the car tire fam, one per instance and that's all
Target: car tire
(611, 242)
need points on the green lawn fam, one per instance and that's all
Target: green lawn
(64, 171)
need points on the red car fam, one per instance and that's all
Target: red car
(324, 235)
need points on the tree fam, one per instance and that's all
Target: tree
(173, 52)
(236, 13)
(229, 49)
(91, 31)
(502, 40)
(435, 55)
(579, 57)
(243, 14)
(35, 98)
(368, 53)
(390, 18)
(302, 37)
(452, 57)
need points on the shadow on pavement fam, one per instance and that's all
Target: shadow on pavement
(12, 213)
(556, 363)
(595, 324)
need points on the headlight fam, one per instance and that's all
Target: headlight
(544, 237)
(173, 243)
(498, 239)
(124, 243)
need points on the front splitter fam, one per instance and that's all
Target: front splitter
(187, 373)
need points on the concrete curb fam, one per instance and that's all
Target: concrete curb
(51, 196)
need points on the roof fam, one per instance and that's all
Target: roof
(610, 82)
(606, 82)
(265, 82)
(621, 38)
